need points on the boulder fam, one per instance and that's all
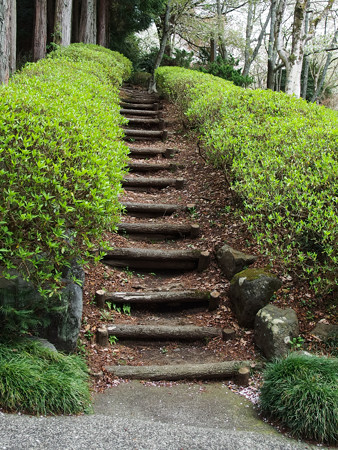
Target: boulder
(63, 327)
(232, 261)
(274, 329)
(325, 331)
(250, 290)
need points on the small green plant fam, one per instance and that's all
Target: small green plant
(88, 335)
(301, 392)
(128, 272)
(106, 315)
(113, 340)
(126, 309)
(193, 212)
(163, 350)
(117, 308)
(36, 380)
(296, 343)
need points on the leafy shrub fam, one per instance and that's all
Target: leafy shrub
(302, 392)
(61, 162)
(36, 380)
(225, 68)
(281, 155)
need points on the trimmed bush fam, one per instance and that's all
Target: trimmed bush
(62, 160)
(36, 380)
(301, 392)
(281, 156)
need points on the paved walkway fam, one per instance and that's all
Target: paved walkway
(135, 416)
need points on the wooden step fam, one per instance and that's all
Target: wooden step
(153, 209)
(139, 100)
(209, 371)
(152, 182)
(148, 259)
(157, 332)
(151, 106)
(151, 298)
(145, 134)
(148, 152)
(159, 230)
(140, 112)
(148, 167)
(146, 122)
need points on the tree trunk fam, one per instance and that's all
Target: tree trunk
(63, 22)
(213, 50)
(88, 22)
(76, 21)
(165, 35)
(5, 40)
(305, 77)
(103, 20)
(50, 20)
(272, 54)
(40, 30)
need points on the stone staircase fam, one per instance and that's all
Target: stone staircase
(147, 125)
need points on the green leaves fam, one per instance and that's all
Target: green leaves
(61, 160)
(280, 154)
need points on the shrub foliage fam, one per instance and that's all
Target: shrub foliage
(302, 392)
(61, 161)
(281, 156)
(36, 380)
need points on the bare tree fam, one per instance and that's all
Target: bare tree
(7, 39)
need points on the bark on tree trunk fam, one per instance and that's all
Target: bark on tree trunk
(213, 50)
(272, 54)
(40, 30)
(102, 18)
(5, 40)
(88, 22)
(50, 19)
(12, 52)
(63, 22)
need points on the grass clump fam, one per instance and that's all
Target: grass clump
(301, 392)
(36, 380)
(280, 155)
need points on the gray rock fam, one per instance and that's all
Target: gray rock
(64, 326)
(232, 261)
(325, 330)
(274, 329)
(44, 343)
(250, 290)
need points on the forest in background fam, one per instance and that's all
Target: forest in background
(281, 45)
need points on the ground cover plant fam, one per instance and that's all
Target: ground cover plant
(301, 391)
(61, 164)
(37, 380)
(280, 156)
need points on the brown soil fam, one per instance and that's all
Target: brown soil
(216, 213)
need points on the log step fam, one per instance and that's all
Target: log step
(146, 152)
(146, 122)
(139, 112)
(159, 259)
(210, 371)
(152, 182)
(139, 100)
(151, 106)
(152, 209)
(148, 167)
(157, 332)
(151, 298)
(145, 134)
(159, 230)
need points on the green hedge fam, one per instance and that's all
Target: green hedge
(281, 156)
(301, 392)
(61, 161)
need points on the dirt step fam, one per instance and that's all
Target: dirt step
(140, 112)
(156, 332)
(139, 100)
(152, 182)
(148, 106)
(192, 297)
(146, 122)
(145, 134)
(157, 259)
(148, 167)
(153, 209)
(148, 152)
(159, 230)
(210, 371)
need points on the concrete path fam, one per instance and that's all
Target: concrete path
(135, 416)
